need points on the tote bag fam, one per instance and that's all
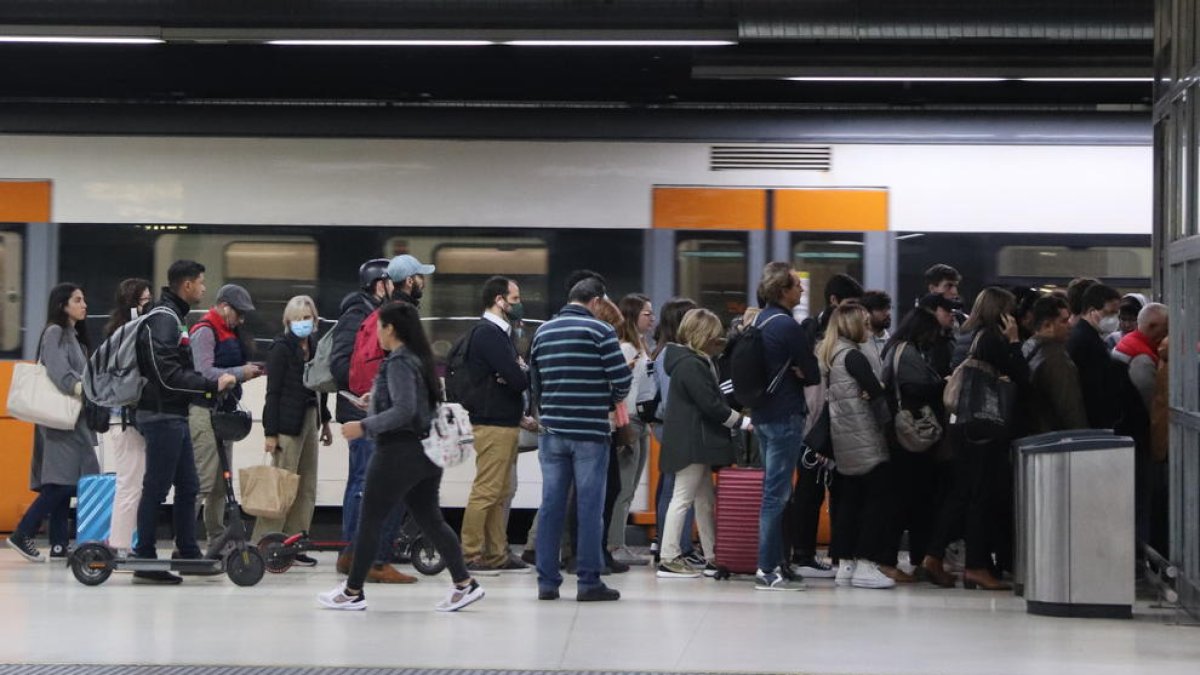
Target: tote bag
(33, 397)
(268, 491)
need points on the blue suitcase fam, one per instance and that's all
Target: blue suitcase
(94, 507)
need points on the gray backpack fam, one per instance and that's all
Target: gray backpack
(111, 378)
(317, 375)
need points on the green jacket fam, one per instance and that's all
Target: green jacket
(699, 424)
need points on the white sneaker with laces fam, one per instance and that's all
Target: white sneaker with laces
(458, 598)
(338, 599)
(815, 568)
(868, 575)
(845, 573)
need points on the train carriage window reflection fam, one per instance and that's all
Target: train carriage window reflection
(712, 271)
(10, 291)
(818, 257)
(273, 271)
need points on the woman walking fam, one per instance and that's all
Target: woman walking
(60, 456)
(402, 403)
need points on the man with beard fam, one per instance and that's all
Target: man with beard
(879, 320)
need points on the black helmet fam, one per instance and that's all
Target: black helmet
(372, 271)
(230, 426)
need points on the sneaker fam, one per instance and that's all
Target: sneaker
(548, 594)
(845, 573)
(24, 545)
(345, 559)
(676, 569)
(711, 570)
(616, 566)
(598, 594)
(302, 560)
(775, 581)
(695, 559)
(460, 597)
(628, 557)
(814, 568)
(386, 574)
(514, 565)
(158, 577)
(480, 569)
(339, 599)
(529, 556)
(867, 575)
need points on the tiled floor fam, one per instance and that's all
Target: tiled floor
(659, 625)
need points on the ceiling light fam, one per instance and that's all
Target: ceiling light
(619, 43)
(894, 79)
(382, 43)
(1086, 79)
(79, 39)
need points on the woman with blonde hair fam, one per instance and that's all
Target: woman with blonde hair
(857, 415)
(294, 416)
(697, 435)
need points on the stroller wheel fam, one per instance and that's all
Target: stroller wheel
(92, 564)
(245, 567)
(425, 558)
(277, 556)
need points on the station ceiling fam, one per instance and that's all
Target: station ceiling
(695, 54)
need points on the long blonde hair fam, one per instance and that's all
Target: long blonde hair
(698, 330)
(849, 321)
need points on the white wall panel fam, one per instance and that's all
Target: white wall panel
(1032, 188)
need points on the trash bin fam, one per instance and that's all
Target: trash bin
(1020, 517)
(1078, 517)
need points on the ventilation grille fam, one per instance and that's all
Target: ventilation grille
(770, 157)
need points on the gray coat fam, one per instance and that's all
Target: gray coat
(698, 428)
(858, 441)
(61, 456)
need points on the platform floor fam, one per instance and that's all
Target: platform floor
(677, 625)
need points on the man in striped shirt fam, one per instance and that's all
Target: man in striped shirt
(577, 375)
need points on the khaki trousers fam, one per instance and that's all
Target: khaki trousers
(297, 454)
(208, 470)
(484, 529)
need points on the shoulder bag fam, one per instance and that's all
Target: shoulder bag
(914, 432)
(33, 397)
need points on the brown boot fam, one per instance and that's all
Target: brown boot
(386, 574)
(983, 579)
(344, 561)
(932, 569)
(897, 575)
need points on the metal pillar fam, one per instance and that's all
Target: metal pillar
(658, 265)
(879, 262)
(41, 273)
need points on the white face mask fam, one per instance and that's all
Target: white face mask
(1109, 325)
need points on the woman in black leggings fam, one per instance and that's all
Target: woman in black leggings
(402, 404)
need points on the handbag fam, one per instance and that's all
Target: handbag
(33, 397)
(914, 432)
(625, 435)
(983, 398)
(268, 491)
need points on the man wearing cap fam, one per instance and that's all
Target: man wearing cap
(217, 349)
(408, 274)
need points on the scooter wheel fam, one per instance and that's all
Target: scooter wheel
(278, 557)
(426, 558)
(245, 567)
(92, 564)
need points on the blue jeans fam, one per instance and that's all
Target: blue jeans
(780, 443)
(360, 457)
(169, 461)
(585, 463)
(53, 501)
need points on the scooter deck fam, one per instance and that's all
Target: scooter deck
(166, 565)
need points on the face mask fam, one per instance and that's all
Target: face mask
(302, 328)
(1109, 324)
(515, 312)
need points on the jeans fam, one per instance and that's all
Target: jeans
(169, 461)
(360, 457)
(781, 443)
(397, 473)
(53, 501)
(585, 463)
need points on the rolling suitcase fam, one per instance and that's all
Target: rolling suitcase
(739, 500)
(94, 499)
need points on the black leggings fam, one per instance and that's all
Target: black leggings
(861, 516)
(976, 505)
(53, 501)
(401, 471)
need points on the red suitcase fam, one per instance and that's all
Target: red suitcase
(739, 500)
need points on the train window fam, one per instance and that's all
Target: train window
(712, 271)
(817, 259)
(1049, 263)
(10, 286)
(273, 272)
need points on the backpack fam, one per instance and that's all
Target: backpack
(367, 356)
(111, 378)
(317, 374)
(459, 385)
(748, 366)
(450, 441)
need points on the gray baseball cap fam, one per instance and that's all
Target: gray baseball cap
(405, 266)
(236, 297)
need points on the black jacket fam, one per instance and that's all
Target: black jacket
(1099, 376)
(699, 425)
(355, 308)
(165, 360)
(492, 357)
(288, 400)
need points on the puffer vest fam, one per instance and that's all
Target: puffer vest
(858, 442)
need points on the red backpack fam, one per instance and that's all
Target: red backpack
(367, 356)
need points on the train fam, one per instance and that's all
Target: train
(696, 218)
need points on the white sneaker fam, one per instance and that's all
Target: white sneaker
(845, 572)
(337, 599)
(814, 568)
(458, 598)
(867, 575)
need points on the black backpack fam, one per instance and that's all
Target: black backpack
(752, 382)
(459, 384)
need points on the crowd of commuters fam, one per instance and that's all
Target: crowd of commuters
(854, 409)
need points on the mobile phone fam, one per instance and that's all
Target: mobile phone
(358, 401)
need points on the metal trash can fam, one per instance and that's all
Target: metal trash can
(1078, 525)
(1020, 517)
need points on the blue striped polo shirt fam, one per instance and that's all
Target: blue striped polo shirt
(578, 373)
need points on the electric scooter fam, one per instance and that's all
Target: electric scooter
(280, 551)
